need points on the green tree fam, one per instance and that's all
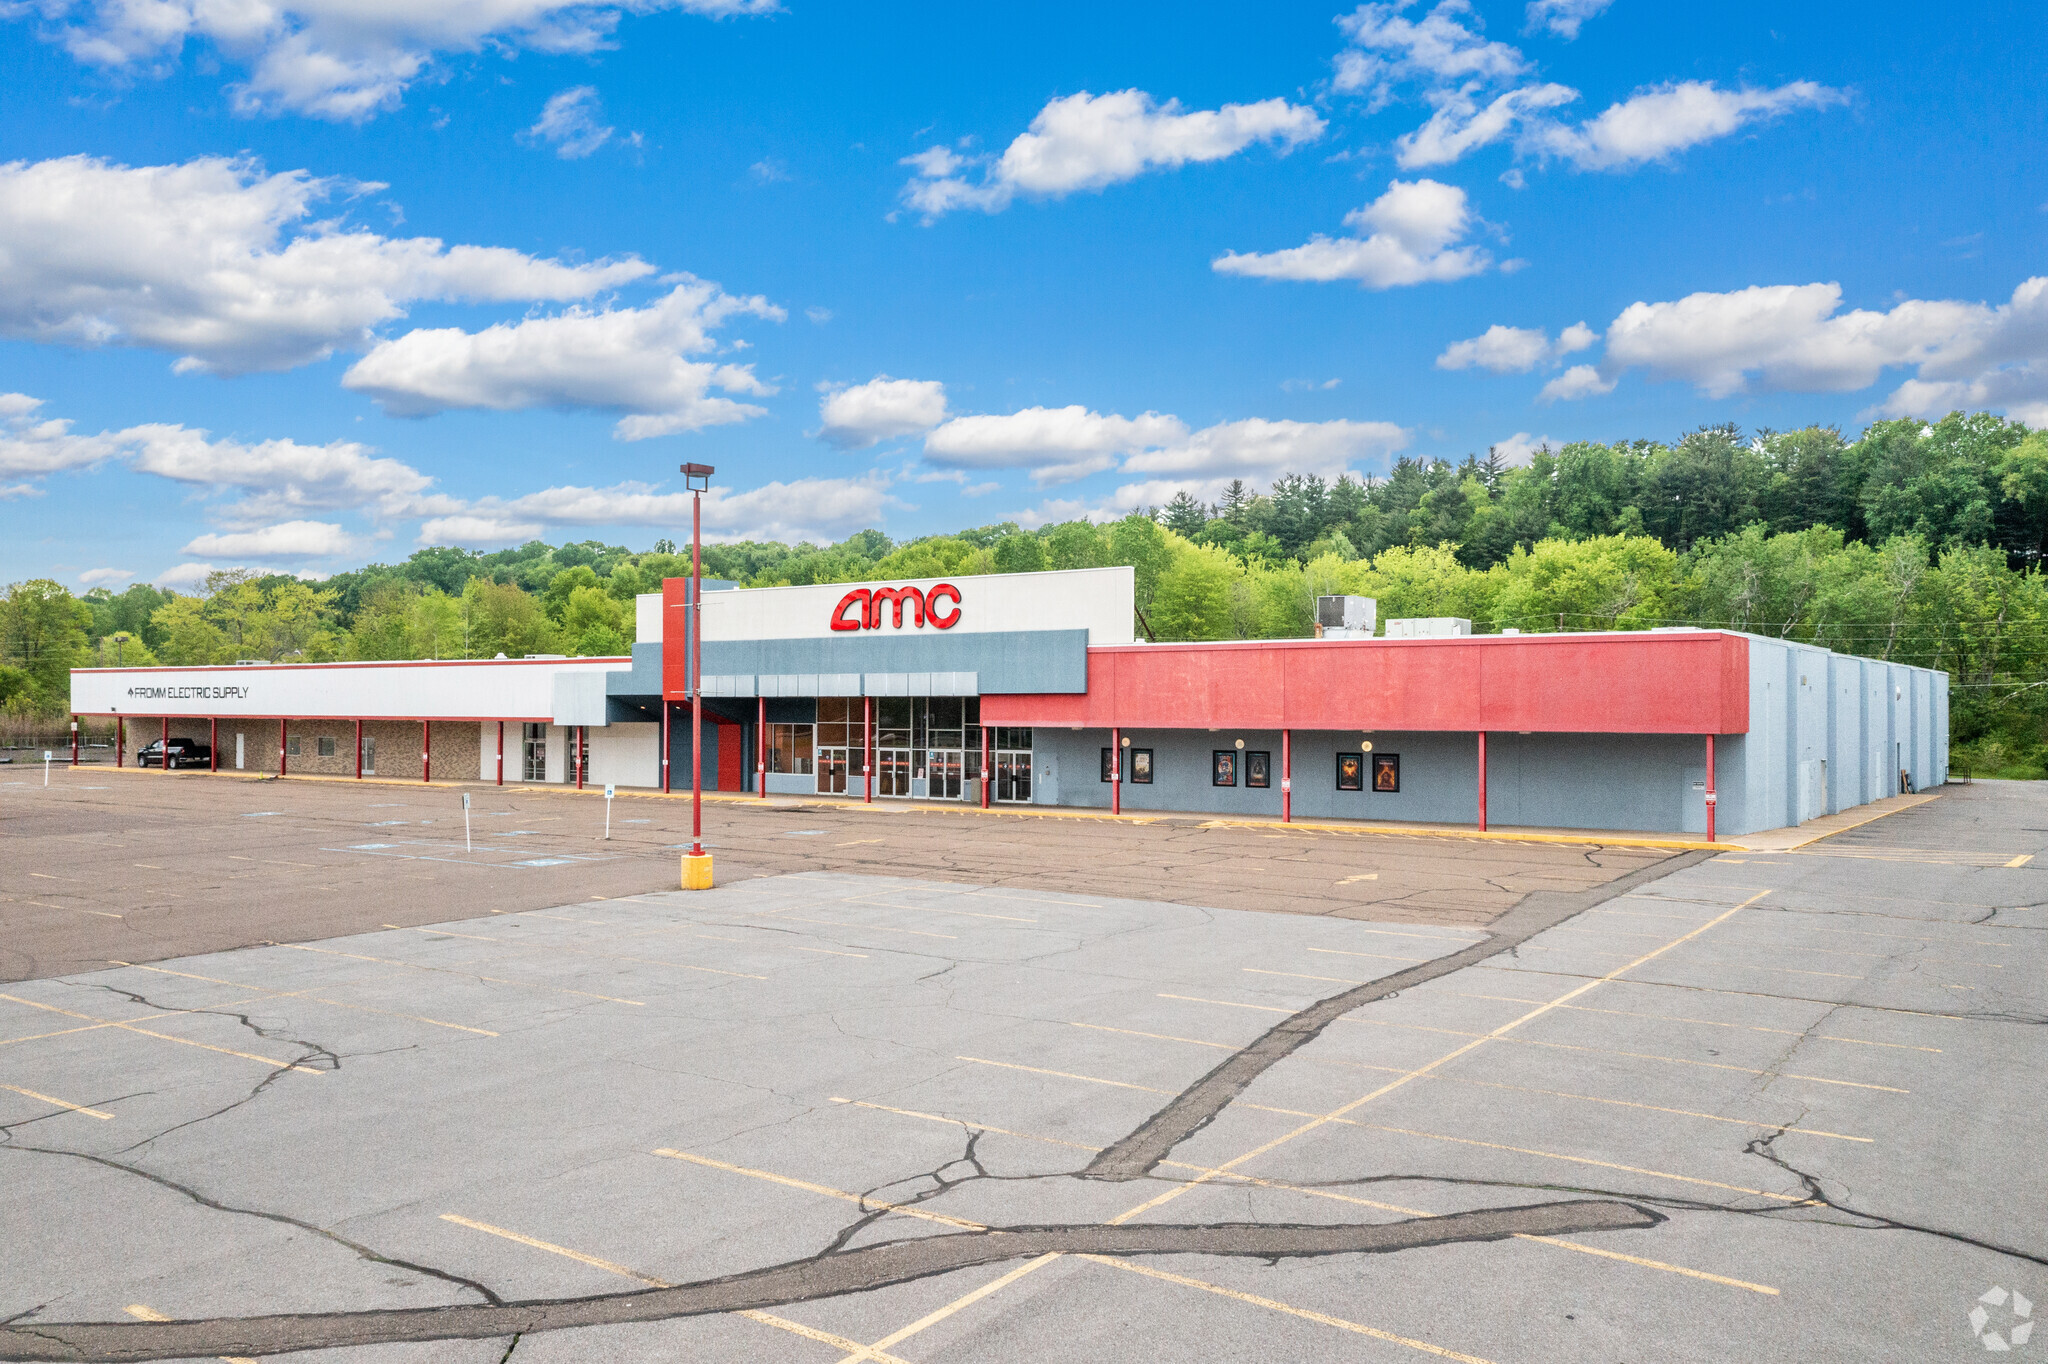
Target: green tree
(1075, 544)
(1193, 597)
(1019, 554)
(42, 632)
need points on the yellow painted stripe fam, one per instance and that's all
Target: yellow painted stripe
(824, 1189)
(136, 1309)
(167, 1037)
(44, 1098)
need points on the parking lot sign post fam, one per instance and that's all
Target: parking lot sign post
(608, 791)
(466, 847)
(46, 767)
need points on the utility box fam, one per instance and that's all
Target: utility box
(1346, 617)
(1429, 627)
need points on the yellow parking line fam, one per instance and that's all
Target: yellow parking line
(1064, 1075)
(1158, 1036)
(573, 951)
(866, 928)
(150, 1314)
(167, 1037)
(1705, 1022)
(2021, 860)
(826, 1190)
(44, 1098)
(1587, 1160)
(302, 994)
(1381, 956)
(446, 971)
(1274, 1305)
(1556, 1046)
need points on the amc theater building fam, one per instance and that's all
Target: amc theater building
(1037, 682)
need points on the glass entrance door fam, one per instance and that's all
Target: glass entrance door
(535, 744)
(892, 777)
(369, 755)
(1013, 775)
(831, 771)
(944, 768)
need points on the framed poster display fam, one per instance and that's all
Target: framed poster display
(1108, 763)
(1350, 771)
(1223, 767)
(1386, 772)
(1258, 769)
(1141, 766)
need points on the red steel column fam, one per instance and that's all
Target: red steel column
(120, 741)
(664, 740)
(1711, 801)
(165, 764)
(761, 747)
(984, 767)
(867, 750)
(1116, 772)
(213, 743)
(1482, 781)
(426, 750)
(501, 752)
(1286, 776)
(74, 741)
(280, 745)
(580, 732)
(359, 750)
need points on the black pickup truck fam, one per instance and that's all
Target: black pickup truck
(184, 753)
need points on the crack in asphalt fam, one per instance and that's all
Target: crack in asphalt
(1194, 1108)
(820, 1276)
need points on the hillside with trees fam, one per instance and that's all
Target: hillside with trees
(1916, 543)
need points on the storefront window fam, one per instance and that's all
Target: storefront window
(789, 749)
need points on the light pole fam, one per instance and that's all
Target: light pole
(697, 863)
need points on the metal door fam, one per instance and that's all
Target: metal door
(535, 742)
(944, 766)
(893, 775)
(238, 750)
(369, 755)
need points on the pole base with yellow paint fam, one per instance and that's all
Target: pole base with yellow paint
(697, 871)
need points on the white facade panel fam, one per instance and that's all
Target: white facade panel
(1098, 600)
(647, 618)
(513, 688)
(625, 755)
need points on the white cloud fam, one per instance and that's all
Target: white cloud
(799, 509)
(1414, 229)
(1058, 444)
(105, 577)
(336, 59)
(218, 262)
(1460, 124)
(1514, 350)
(1257, 447)
(35, 447)
(880, 409)
(1580, 381)
(1795, 338)
(187, 575)
(11, 491)
(1563, 17)
(1652, 124)
(287, 540)
(280, 477)
(624, 359)
(569, 123)
(1517, 450)
(478, 531)
(1084, 141)
(1438, 50)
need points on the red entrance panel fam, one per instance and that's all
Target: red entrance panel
(732, 774)
(1691, 682)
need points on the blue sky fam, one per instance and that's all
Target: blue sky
(302, 284)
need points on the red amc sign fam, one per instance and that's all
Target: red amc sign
(865, 605)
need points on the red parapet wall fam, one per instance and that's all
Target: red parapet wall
(1641, 683)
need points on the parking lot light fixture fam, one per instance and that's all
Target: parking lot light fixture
(697, 865)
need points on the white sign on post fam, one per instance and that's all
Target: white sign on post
(608, 789)
(46, 767)
(465, 823)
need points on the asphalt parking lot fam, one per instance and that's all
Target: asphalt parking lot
(1755, 1105)
(142, 866)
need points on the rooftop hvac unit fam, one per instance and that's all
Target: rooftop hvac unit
(1428, 627)
(1346, 617)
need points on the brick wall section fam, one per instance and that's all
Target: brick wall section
(456, 750)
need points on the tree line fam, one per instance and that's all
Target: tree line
(1917, 543)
